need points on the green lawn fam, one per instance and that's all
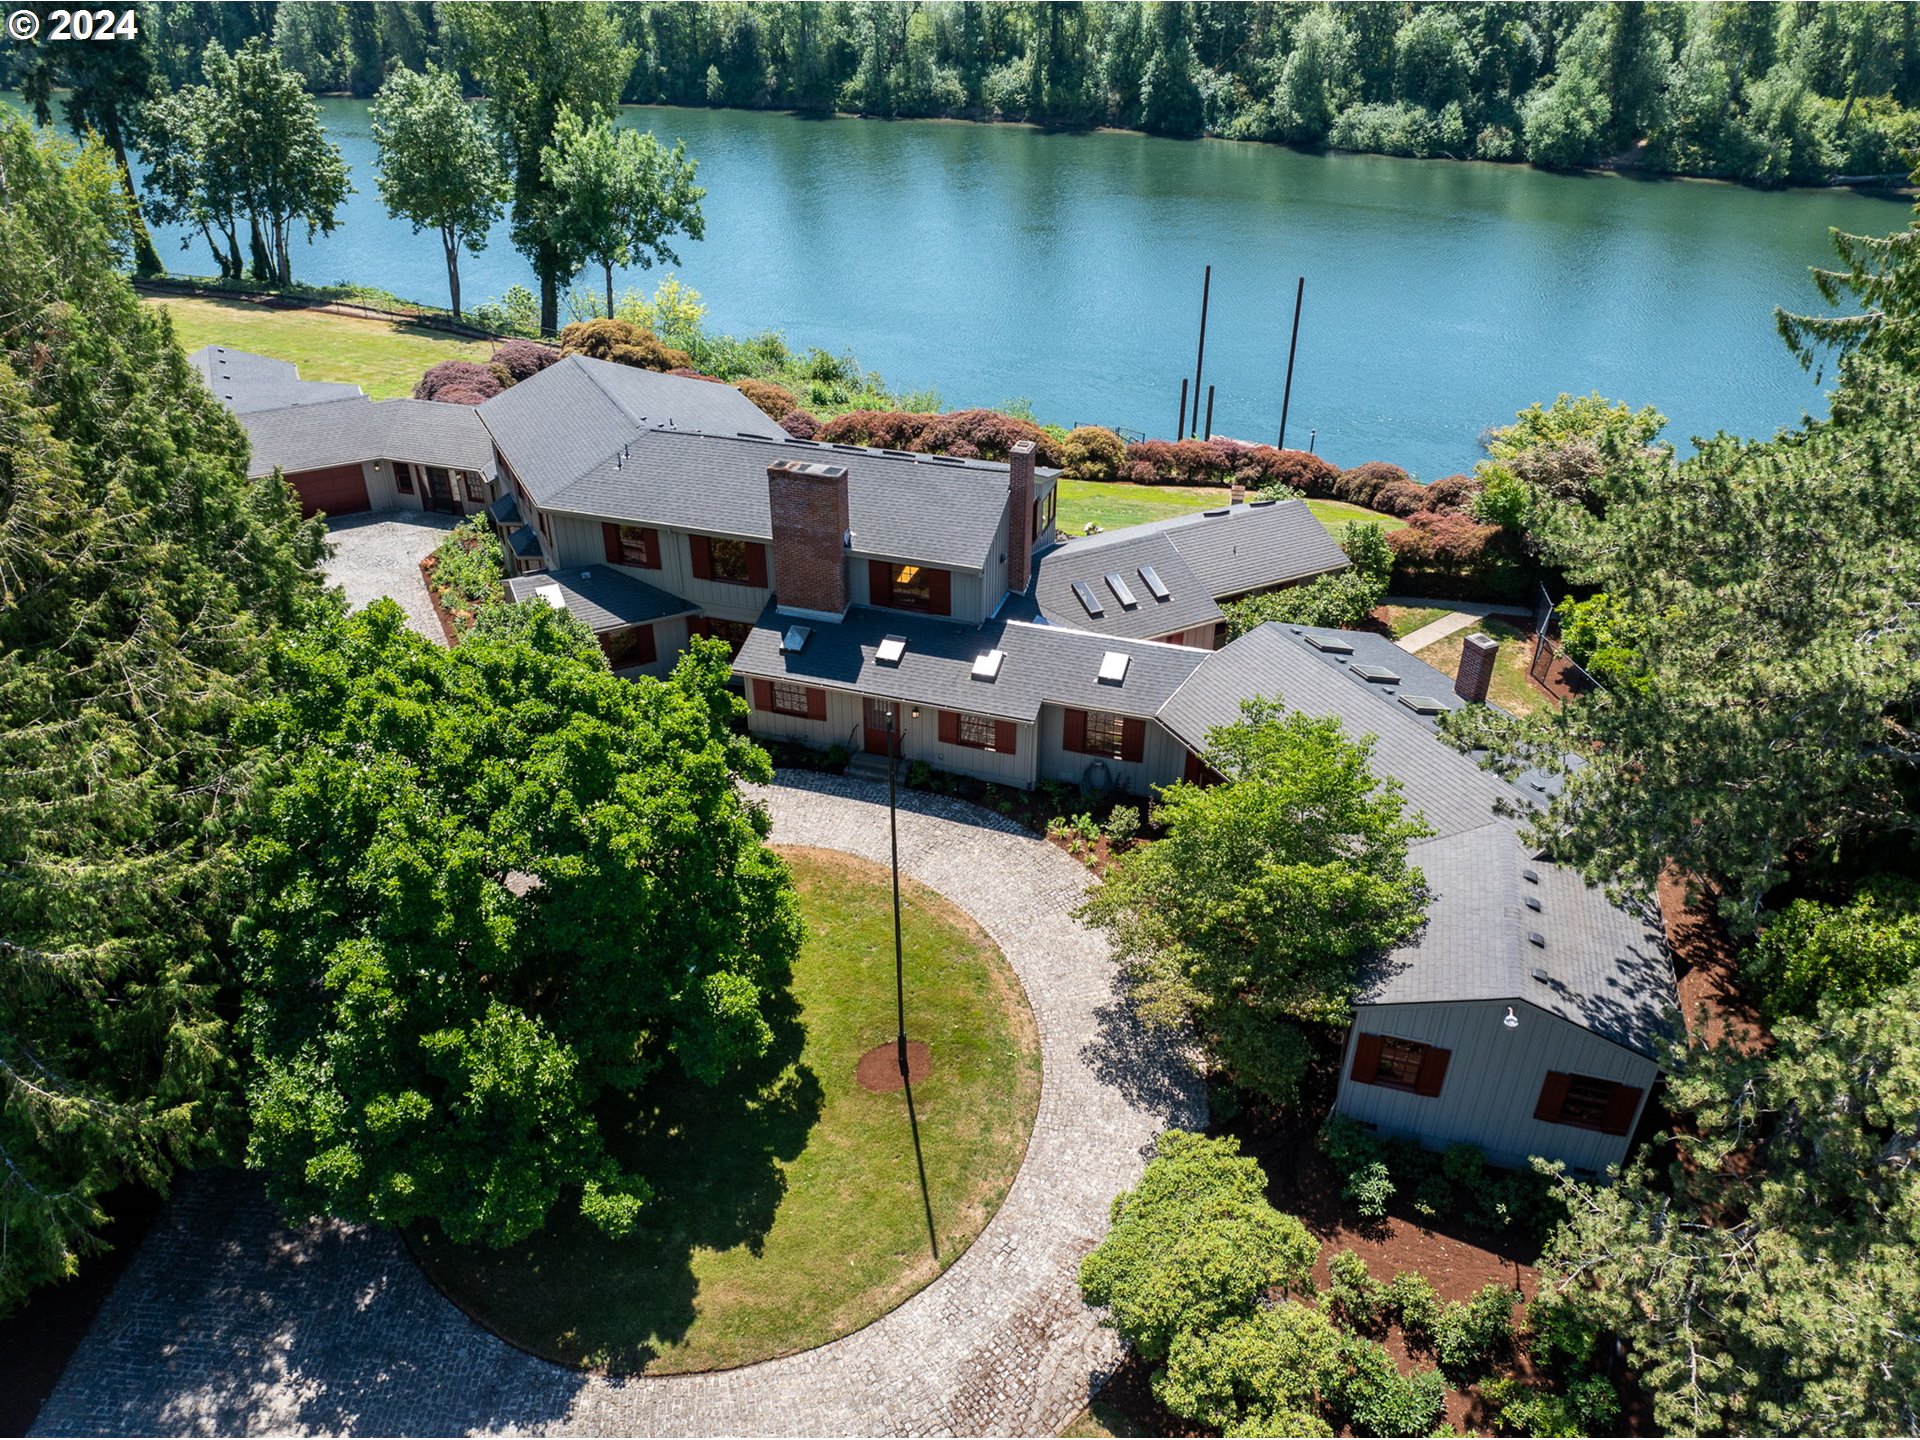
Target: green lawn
(383, 357)
(1403, 620)
(1113, 506)
(1511, 689)
(790, 1211)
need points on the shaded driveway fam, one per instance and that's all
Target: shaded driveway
(380, 554)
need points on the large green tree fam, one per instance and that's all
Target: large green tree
(622, 195)
(532, 62)
(142, 580)
(438, 166)
(1256, 909)
(495, 889)
(1766, 1284)
(1878, 279)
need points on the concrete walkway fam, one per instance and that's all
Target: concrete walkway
(379, 555)
(230, 1322)
(1466, 613)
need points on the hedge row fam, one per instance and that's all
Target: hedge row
(972, 434)
(466, 382)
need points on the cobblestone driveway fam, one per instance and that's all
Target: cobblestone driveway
(229, 1322)
(380, 554)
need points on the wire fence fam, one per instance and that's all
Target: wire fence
(1550, 665)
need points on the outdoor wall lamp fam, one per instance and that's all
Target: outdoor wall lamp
(1512, 1022)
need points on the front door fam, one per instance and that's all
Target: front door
(874, 724)
(440, 490)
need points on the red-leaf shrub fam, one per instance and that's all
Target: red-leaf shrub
(1400, 497)
(1221, 462)
(1359, 485)
(774, 401)
(800, 425)
(1452, 492)
(463, 395)
(687, 374)
(1452, 555)
(461, 373)
(623, 343)
(985, 433)
(523, 358)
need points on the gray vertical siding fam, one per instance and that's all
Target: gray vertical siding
(577, 541)
(919, 739)
(1162, 758)
(1493, 1081)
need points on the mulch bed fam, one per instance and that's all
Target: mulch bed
(433, 599)
(1706, 965)
(879, 1068)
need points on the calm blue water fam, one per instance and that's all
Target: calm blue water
(994, 262)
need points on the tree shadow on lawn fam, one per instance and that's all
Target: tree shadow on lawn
(713, 1156)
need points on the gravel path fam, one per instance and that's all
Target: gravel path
(380, 554)
(227, 1321)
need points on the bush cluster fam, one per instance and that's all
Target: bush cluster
(624, 343)
(1224, 462)
(465, 572)
(1588, 1406)
(774, 401)
(1092, 452)
(1452, 554)
(800, 424)
(521, 359)
(1845, 955)
(458, 382)
(1373, 1169)
(971, 434)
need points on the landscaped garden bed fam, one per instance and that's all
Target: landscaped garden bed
(797, 1216)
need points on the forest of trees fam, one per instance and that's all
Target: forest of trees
(1765, 93)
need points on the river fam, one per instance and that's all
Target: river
(995, 262)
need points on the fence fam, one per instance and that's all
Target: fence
(285, 300)
(1550, 666)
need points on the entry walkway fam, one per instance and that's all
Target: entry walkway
(1466, 613)
(230, 1322)
(378, 555)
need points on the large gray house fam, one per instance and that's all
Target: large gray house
(857, 583)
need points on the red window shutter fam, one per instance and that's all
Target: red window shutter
(816, 704)
(1196, 769)
(1133, 739)
(763, 694)
(1433, 1071)
(702, 557)
(1620, 1110)
(879, 583)
(651, 540)
(949, 728)
(1366, 1058)
(1553, 1096)
(1074, 731)
(756, 564)
(610, 537)
(644, 646)
(940, 584)
(1006, 736)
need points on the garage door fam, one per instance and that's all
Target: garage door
(338, 490)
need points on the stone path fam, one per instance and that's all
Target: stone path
(228, 1321)
(1466, 613)
(380, 553)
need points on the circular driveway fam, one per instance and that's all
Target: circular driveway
(228, 1321)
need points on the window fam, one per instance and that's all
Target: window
(403, 477)
(1044, 510)
(639, 547)
(1396, 1064)
(910, 587)
(979, 732)
(734, 632)
(629, 647)
(1099, 732)
(1588, 1103)
(729, 560)
(476, 492)
(789, 699)
(975, 731)
(1106, 734)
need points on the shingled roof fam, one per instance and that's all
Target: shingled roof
(246, 382)
(1139, 613)
(605, 598)
(345, 432)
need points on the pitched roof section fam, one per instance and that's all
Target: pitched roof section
(1188, 602)
(1601, 966)
(246, 382)
(902, 507)
(1042, 664)
(345, 432)
(1238, 548)
(604, 597)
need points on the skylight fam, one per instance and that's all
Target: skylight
(1150, 577)
(1330, 644)
(1113, 668)
(551, 594)
(1084, 593)
(1376, 674)
(891, 649)
(795, 640)
(987, 665)
(1120, 591)
(1423, 704)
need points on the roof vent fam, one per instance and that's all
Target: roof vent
(1533, 902)
(1541, 976)
(892, 647)
(899, 454)
(586, 577)
(1120, 591)
(1113, 668)
(1423, 704)
(1536, 939)
(1223, 510)
(1376, 674)
(1330, 644)
(986, 666)
(1084, 593)
(795, 640)
(1530, 875)
(1157, 587)
(551, 594)
(1260, 504)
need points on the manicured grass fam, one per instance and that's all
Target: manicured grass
(1403, 620)
(383, 357)
(1113, 506)
(1511, 690)
(790, 1209)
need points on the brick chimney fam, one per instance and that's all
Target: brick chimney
(1237, 495)
(1476, 668)
(810, 523)
(1020, 516)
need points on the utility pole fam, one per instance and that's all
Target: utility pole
(1286, 399)
(1206, 291)
(1208, 433)
(1180, 425)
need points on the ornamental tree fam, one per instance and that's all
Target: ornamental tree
(438, 167)
(1256, 909)
(494, 891)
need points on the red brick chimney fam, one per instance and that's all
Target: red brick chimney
(1476, 668)
(1237, 494)
(810, 524)
(1020, 516)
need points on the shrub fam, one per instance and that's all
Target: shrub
(623, 343)
(1590, 1406)
(1341, 600)
(1400, 497)
(1194, 1245)
(1452, 492)
(1221, 462)
(1412, 1301)
(1378, 1400)
(461, 375)
(1361, 1164)
(1846, 955)
(1601, 634)
(1561, 1336)
(773, 401)
(1264, 1053)
(1092, 452)
(800, 425)
(1123, 823)
(522, 359)
(515, 313)
(1458, 551)
(1362, 483)
(465, 573)
(464, 394)
(1264, 1373)
(1468, 1337)
(1365, 544)
(1357, 1297)
(984, 434)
